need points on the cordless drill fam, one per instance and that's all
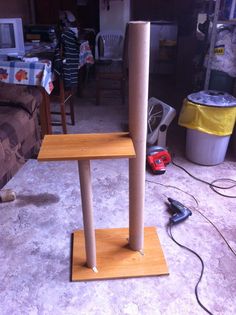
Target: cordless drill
(180, 211)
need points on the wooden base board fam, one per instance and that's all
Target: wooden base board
(114, 257)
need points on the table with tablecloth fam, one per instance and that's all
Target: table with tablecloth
(39, 74)
(86, 56)
(35, 74)
(27, 73)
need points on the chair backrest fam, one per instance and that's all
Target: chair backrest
(109, 45)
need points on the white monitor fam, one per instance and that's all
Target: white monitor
(11, 37)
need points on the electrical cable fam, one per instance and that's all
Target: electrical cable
(169, 227)
(203, 215)
(212, 184)
(169, 231)
(204, 181)
(226, 242)
(170, 186)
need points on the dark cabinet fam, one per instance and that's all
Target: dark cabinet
(47, 12)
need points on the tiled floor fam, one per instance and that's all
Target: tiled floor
(35, 230)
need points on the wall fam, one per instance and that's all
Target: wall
(88, 16)
(116, 17)
(47, 11)
(152, 10)
(183, 13)
(15, 8)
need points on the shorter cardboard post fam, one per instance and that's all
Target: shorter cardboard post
(87, 208)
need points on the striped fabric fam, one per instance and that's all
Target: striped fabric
(66, 60)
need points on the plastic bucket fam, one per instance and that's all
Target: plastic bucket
(234, 142)
(206, 149)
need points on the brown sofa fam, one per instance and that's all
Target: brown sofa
(20, 136)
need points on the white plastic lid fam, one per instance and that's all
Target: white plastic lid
(212, 98)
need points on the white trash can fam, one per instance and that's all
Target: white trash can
(207, 136)
(234, 142)
(206, 149)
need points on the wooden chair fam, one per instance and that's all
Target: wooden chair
(111, 63)
(61, 97)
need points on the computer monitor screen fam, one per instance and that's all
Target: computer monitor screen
(11, 37)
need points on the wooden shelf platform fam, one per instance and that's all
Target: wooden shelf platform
(86, 146)
(114, 257)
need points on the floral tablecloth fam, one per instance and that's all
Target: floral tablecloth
(38, 73)
(86, 56)
(27, 73)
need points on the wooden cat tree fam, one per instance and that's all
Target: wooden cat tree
(118, 252)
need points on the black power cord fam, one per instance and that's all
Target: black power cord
(203, 215)
(169, 231)
(212, 184)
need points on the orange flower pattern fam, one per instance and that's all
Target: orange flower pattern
(3, 74)
(21, 75)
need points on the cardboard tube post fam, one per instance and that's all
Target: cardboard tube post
(139, 49)
(87, 208)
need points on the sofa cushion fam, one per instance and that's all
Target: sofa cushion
(18, 96)
(19, 140)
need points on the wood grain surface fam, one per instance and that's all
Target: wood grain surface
(86, 146)
(114, 257)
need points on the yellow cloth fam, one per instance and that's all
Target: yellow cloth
(218, 121)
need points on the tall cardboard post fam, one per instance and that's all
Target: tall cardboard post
(139, 47)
